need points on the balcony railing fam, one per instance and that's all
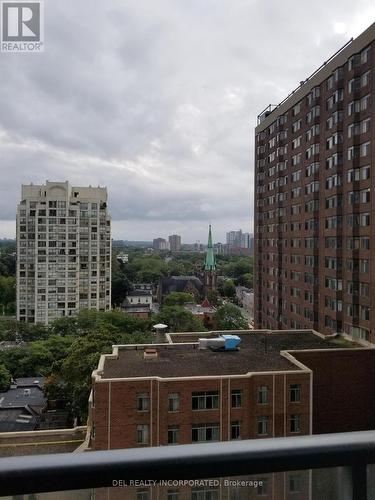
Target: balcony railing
(73, 471)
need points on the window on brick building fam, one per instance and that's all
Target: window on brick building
(263, 425)
(295, 393)
(295, 483)
(235, 493)
(142, 434)
(205, 400)
(204, 432)
(263, 394)
(295, 423)
(142, 495)
(235, 430)
(173, 434)
(205, 494)
(143, 401)
(236, 397)
(173, 401)
(173, 495)
(262, 488)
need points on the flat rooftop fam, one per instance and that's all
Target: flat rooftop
(259, 352)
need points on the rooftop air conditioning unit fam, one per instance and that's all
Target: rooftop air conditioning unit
(222, 343)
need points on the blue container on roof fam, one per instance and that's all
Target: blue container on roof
(231, 342)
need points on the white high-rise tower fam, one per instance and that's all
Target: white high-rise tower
(63, 251)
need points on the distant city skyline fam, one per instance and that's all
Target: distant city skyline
(149, 238)
(133, 230)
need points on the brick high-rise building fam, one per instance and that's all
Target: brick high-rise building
(63, 251)
(314, 204)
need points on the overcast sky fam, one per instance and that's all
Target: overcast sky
(157, 100)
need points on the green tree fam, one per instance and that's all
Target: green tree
(7, 294)
(82, 358)
(71, 352)
(229, 317)
(178, 299)
(179, 268)
(7, 258)
(214, 298)
(65, 326)
(5, 378)
(179, 319)
(8, 329)
(120, 287)
(36, 358)
(246, 280)
(32, 331)
(229, 290)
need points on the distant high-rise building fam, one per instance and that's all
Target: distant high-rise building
(247, 242)
(63, 251)
(174, 243)
(239, 243)
(314, 200)
(160, 244)
(234, 238)
(220, 248)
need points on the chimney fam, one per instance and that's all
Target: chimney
(150, 353)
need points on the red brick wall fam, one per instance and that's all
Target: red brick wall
(343, 389)
(124, 416)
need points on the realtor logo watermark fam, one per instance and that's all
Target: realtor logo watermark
(22, 26)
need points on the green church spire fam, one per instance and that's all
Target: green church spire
(210, 264)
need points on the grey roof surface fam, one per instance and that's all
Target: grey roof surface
(198, 309)
(30, 381)
(17, 419)
(178, 283)
(139, 293)
(186, 360)
(144, 308)
(17, 398)
(130, 305)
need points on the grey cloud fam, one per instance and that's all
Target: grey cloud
(158, 101)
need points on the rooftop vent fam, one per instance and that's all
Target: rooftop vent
(150, 353)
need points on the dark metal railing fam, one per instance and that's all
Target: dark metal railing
(71, 471)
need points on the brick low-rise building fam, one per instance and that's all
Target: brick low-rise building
(177, 393)
(282, 383)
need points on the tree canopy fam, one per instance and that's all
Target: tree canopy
(67, 351)
(5, 378)
(179, 319)
(229, 317)
(7, 295)
(149, 268)
(178, 299)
